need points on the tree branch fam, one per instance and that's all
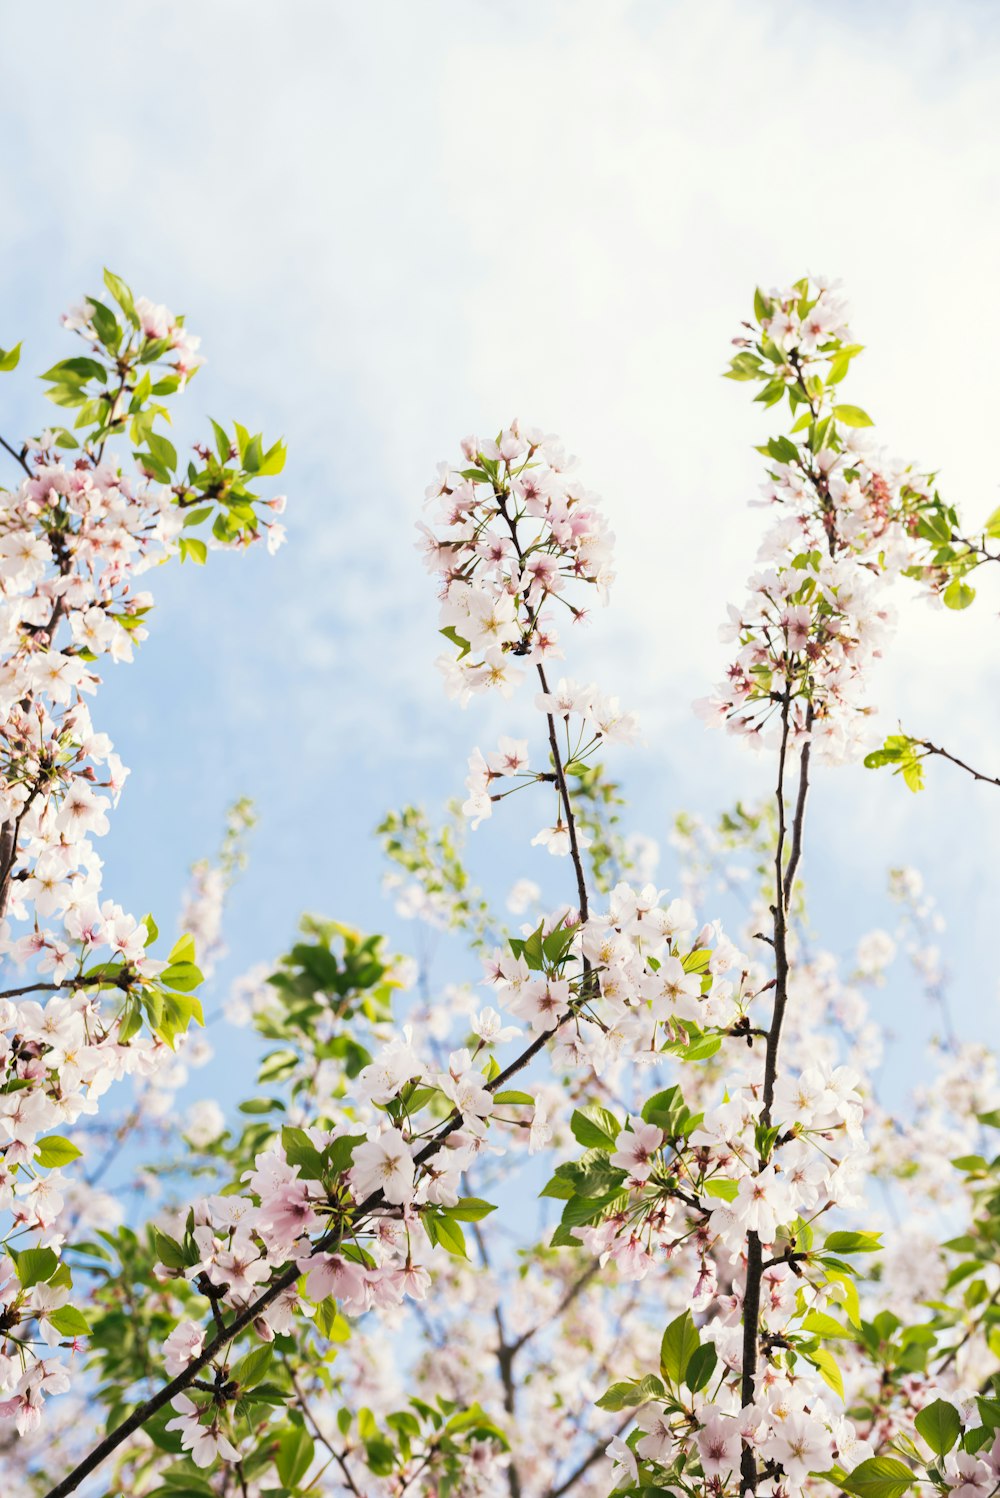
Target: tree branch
(953, 759)
(17, 456)
(783, 883)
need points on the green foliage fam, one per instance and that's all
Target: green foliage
(900, 751)
(122, 387)
(679, 1344)
(939, 1425)
(878, 1477)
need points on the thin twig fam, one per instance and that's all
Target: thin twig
(17, 456)
(953, 759)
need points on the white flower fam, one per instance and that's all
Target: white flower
(626, 1469)
(182, 1346)
(637, 1150)
(489, 1026)
(384, 1164)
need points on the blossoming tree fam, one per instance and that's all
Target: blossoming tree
(330, 1300)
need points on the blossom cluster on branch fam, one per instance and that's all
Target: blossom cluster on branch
(77, 534)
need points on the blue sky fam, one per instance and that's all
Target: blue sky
(394, 224)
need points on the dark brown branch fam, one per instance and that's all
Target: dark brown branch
(953, 759)
(17, 993)
(557, 765)
(17, 456)
(782, 888)
(800, 812)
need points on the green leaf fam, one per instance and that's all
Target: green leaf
(680, 1342)
(253, 455)
(556, 945)
(595, 1128)
(828, 1369)
(339, 1153)
(105, 325)
(783, 450)
(163, 453)
(878, 1477)
(122, 296)
(533, 951)
(54, 1151)
(451, 1237)
(300, 1150)
(969, 1162)
(699, 1049)
(75, 370)
(169, 1252)
(183, 1488)
(958, 594)
(35, 1266)
(469, 1209)
(182, 976)
(559, 1188)
(329, 1322)
(939, 1424)
(853, 1243)
(296, 1450)
(900, 751)
(524, 1098)
(182, 949)
(173, 1013)
(725, 1190)
(852, 416)
(193, 548)
(701, 1366)
(664, 1109)
(841, 362)
(452, 634)
(630, 1393)
(273, 460)
(69, 1321)
(745, 366)
(197, 516)
(251, 1369)
(823, 1325)
(9, 358)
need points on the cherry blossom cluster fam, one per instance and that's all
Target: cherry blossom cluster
(848, 522)
(76, 536)
(514, 530)
(157, 324)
